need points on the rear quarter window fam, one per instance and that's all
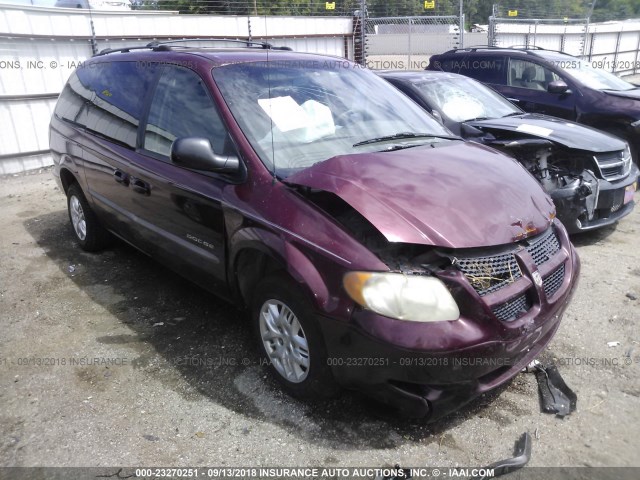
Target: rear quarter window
(112, 96)
(72, 100)
(483, 69)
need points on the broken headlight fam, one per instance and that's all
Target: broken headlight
(413, 298)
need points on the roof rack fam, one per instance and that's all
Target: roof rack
(535, 48)
(525, 48)
(475, 48)
(166, 45)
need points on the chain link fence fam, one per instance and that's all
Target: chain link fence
(403, 35)
(406, 43)
(566, 35)
(554, 25)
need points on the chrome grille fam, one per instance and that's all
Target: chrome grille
(488, 274)
(553, 281)
(613, 165)
(513, 309)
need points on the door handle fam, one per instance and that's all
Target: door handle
(121, 177)
(140, 186)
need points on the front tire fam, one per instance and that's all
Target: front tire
(290, 340)
(89, 233)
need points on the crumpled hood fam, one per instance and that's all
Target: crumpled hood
(457, 195)
(564, 132)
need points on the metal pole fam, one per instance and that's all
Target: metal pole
(363, 27)
(94, 42)
(635, 65)
(586, 30)
(617, 52)
(461, 21)
(410, 28)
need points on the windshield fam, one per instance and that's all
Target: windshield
(462, 99)
(298, 113)
(593, 77)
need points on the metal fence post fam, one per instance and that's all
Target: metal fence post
(363, 30)
(492, 34)
(409, 39)
(461, 24)
(635, 64)
(93, 41)
(617, 52)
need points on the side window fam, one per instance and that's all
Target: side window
(72, 100)
(116, 98)
(486, 69)
(525, 74)
(182, 107)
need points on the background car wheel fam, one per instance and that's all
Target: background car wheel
(87, 229)
(290, 340)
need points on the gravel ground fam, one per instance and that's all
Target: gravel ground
(70, 307)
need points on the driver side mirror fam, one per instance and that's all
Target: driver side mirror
(197, 153)
(558, 86)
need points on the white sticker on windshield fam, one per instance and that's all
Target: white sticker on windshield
(285, 112)
(312, 120)
(534, 130)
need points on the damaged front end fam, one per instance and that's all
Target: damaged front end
(589, 189)
(476, 280)
(510, 298)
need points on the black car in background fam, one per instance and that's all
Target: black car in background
(553, 83)
(588, 173)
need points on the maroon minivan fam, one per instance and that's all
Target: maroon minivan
(372, 248)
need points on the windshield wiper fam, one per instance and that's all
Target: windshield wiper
(476, 119)
(401, 135)
(512, 114)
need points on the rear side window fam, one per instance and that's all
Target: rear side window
(486, 69)
(72, 100)
(182, 107)
(112, 97)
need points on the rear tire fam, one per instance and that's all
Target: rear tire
(289, 339)
(89, 233)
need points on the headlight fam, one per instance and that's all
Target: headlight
(404, 297)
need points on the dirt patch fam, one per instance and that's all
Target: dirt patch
(184, 387)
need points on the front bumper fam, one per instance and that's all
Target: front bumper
(431, 369)
(610, 203)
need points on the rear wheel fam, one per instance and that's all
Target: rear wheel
(290, 339)
(89, 233)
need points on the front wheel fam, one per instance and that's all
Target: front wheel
(89, 233)
(290, 339)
